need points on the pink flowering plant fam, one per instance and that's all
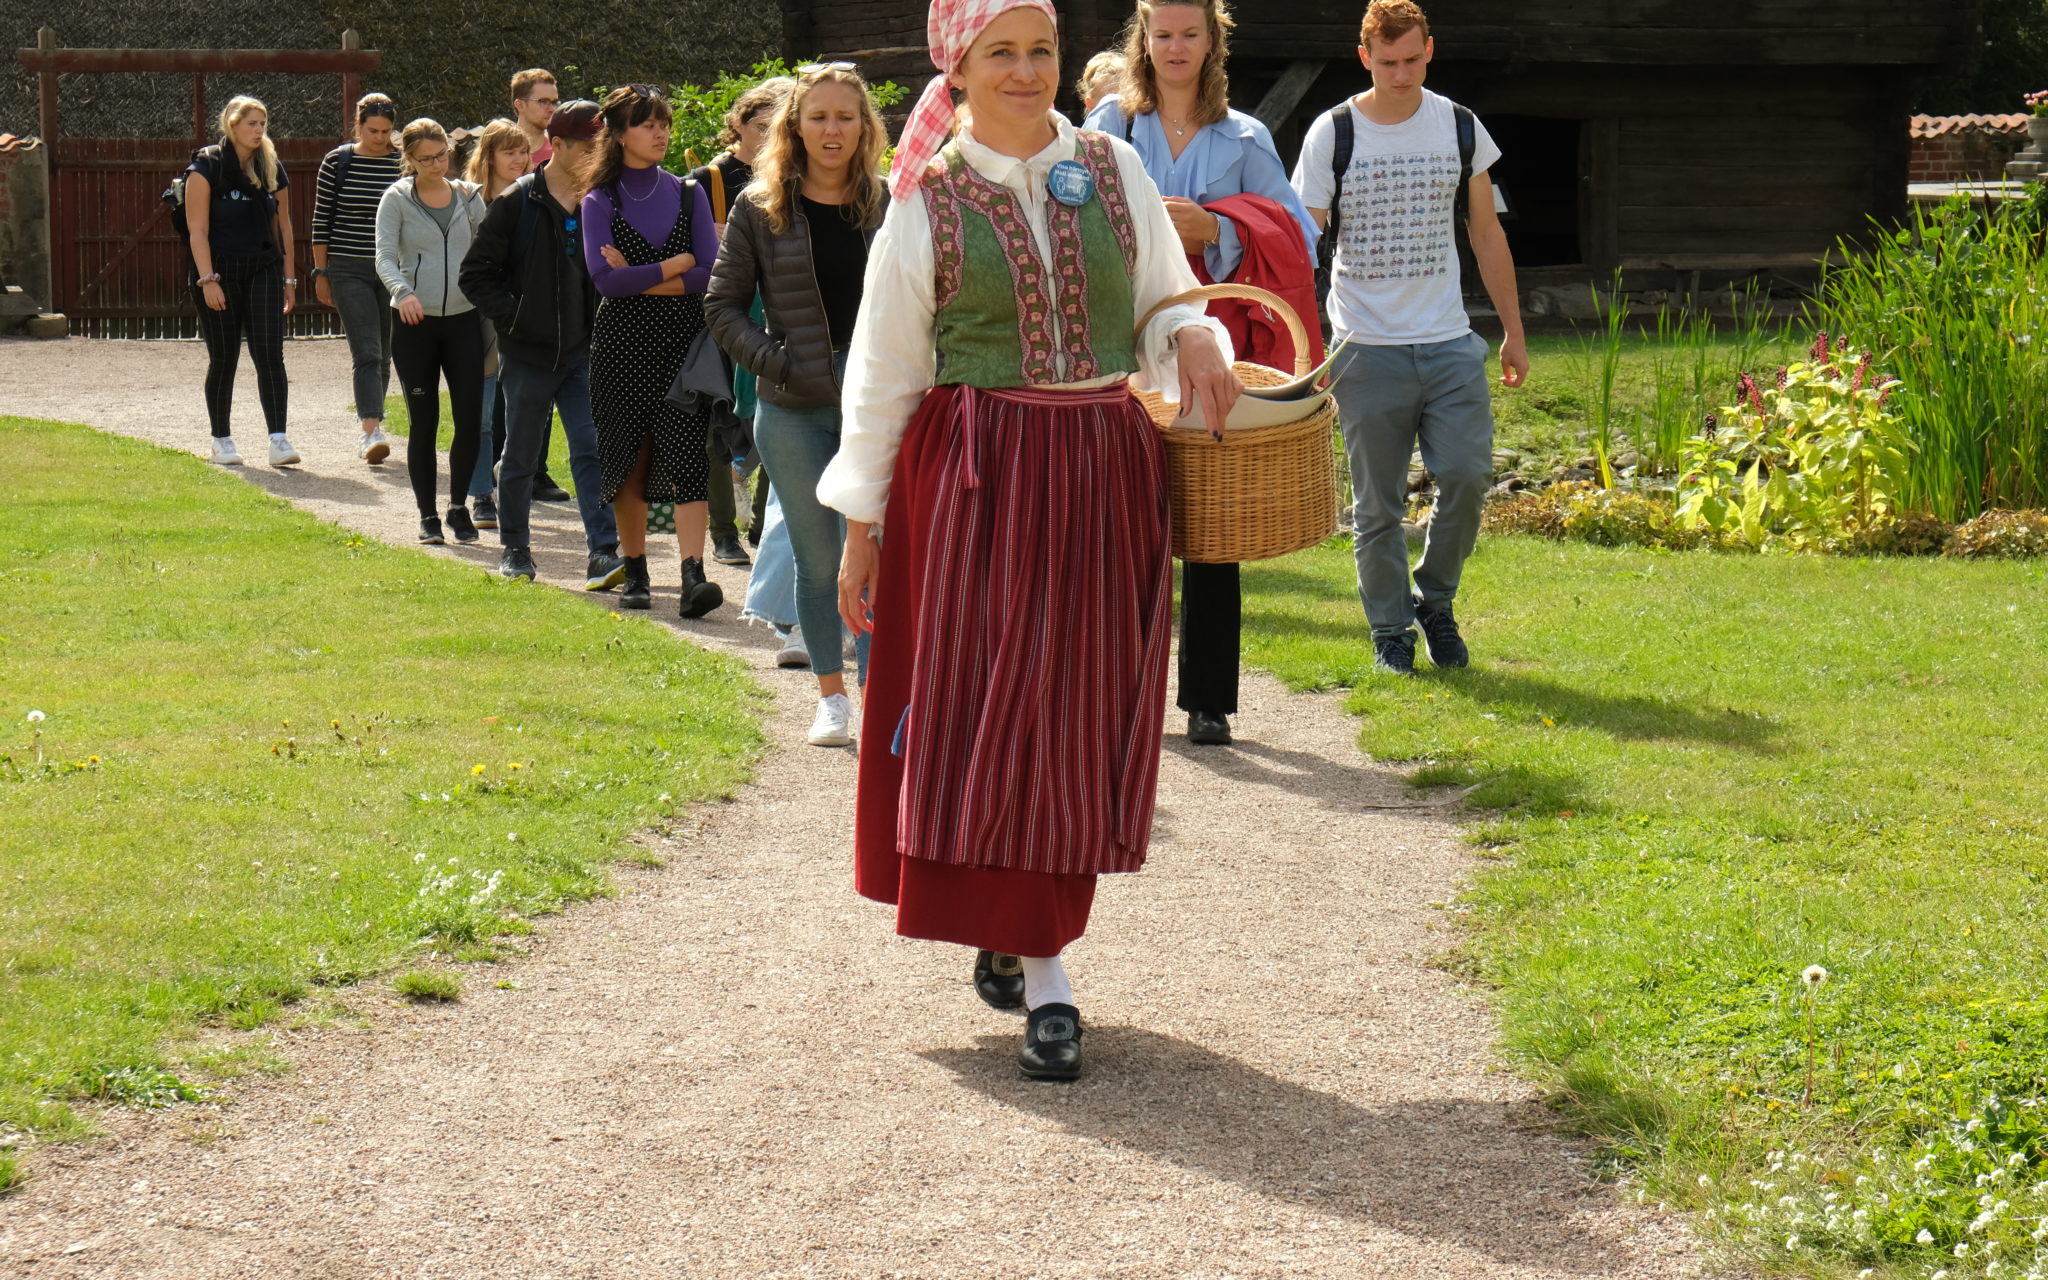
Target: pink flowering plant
(1810, 461)
(2037, 102)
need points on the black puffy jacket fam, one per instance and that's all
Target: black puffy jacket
(538, 295)
(792, 356)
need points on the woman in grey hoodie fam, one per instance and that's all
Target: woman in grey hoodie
(424, 224)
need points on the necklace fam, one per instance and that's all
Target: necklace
(651, 188)
(1179, 130)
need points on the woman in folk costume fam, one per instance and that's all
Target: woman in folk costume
(1020, 601)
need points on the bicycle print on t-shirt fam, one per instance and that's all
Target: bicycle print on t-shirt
(1396, 221)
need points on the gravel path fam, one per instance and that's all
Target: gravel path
(735, 1069)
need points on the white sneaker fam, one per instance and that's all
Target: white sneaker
(832, 728)
(282, 454)
(224, 452)
(794, 652)
(376, 447)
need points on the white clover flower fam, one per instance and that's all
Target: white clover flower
(1705, 1181)
(1925, 1237)
(1791, 1242)
(1962, 1250)
(1813, 977)
(36, 717)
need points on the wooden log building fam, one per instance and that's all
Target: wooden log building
(1660, 137)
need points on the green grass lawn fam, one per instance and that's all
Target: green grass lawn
(1699, 774)
(277, 756)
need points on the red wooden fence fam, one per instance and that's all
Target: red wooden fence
(117, 269)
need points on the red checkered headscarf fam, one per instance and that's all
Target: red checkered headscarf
(951, 30)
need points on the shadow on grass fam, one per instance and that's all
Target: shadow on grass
(1633, 717)
(1471, 1175)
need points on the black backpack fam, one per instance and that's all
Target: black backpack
(1340, 164)
(174, 195)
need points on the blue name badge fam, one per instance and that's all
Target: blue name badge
(1070, 183)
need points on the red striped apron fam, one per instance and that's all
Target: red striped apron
(1017, 675)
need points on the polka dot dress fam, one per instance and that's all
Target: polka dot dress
(637, 346)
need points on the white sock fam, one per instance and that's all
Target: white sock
(277, 435)
(1045, 982)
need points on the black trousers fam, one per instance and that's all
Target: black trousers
(255, 314)
(438, 349)
(1211, 615)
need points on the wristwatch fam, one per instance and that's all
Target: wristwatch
(319, 271)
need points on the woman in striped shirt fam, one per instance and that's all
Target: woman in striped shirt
(352, 179)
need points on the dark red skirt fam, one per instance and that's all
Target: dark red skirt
(1017, 675)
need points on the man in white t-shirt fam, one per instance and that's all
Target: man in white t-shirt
(1414, 372)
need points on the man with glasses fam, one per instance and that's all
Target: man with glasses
(535, 96)
(525, 271)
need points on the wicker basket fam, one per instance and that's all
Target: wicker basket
(1262, 491)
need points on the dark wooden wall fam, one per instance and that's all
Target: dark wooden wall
(1692, 136)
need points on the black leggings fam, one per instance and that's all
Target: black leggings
(423, 355)
(255, 311)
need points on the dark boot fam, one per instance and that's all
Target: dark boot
(699, 597)
(637, 593)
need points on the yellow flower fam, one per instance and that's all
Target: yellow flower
(517, 765)
(475, 770)
(92, 759)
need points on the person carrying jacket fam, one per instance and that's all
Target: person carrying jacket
(525, 272)
(799, 236)
(424, 224)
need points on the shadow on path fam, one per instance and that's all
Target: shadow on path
(1453, 1170)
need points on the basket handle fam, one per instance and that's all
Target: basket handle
(1250, 293)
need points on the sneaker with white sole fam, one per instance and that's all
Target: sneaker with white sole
(224, 452)
(794, 652)
(833, 726)
(376, 447)
(282, 454)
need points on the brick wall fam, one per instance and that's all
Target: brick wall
(1963, 148)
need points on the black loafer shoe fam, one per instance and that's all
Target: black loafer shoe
(726, 549)
(1052, 1043)
(999, 980)
(546, 490)
(636, 594)
(1207, 729)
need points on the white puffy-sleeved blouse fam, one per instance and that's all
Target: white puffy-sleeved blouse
(894, 358)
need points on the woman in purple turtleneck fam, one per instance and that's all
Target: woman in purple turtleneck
(649, 241)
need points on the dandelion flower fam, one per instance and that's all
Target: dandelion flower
(1813, 977)
(516, 765)
(476, 770)
(36, 717)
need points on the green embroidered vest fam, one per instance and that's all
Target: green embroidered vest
(1001, 321)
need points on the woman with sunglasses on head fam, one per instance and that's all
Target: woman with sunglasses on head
(649, 242)
(425, 224)
(352, 180)
(1020, 598)
(1173, 105)
(798, 237)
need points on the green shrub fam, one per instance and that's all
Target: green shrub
(700, 112)
(1538, 512)
(1812, 461)
(1910, 534)
(1622, 518)
(2002, 534)
(428, 984)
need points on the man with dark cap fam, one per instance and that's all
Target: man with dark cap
(525, 271)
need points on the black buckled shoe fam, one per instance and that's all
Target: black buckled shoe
(1207, 729)
(1052, 1043)
(699, 597)
(1440, 635)
(999, 980)
(637, 593)
(1395, 654)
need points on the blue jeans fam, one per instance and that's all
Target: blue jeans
(1389, 401)
(771, 587)
(480, 480)
(532, 395)
(795, 446)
